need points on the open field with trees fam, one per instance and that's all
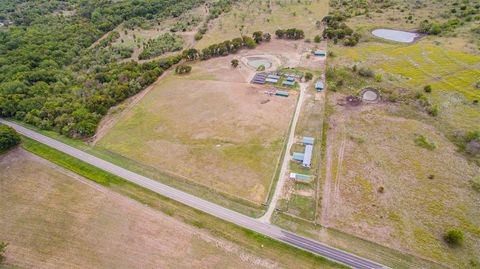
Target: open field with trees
(249, 16)
(210, 126)
(402, 171)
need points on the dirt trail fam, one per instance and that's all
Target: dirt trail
(332, 193)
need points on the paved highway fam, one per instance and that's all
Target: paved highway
(205, 206)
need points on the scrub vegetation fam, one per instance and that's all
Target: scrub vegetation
(389, 165)
(8, 138)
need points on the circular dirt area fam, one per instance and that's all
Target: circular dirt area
(270, 62)
(256, 62)
(370, 95)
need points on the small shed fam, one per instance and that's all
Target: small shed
(319, 86)
(319, 53)
(300, 177)
(271, 80)
(288, 83)
(308, 140)
(297, 156)
(290, 79)
(282, 93)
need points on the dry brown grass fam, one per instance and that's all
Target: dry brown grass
(211, 127)
(425, 193)
(52, 218)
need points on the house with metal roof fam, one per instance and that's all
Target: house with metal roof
(319, 53)
(319, 86)
(282, 93)
(288, 83)
(307, 156)
(308, 140)
(297, 156)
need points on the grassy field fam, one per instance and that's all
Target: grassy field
(391, 174)
(284, 255)
(389, 188)
(210, 127)
(53, 218)
(266, 16)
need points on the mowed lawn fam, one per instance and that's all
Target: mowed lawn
(210, 127)
(52, 218)
(425, 192)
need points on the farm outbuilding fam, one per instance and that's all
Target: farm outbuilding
(282, 93)
(307, 157)
(288, 83)
(300, 177)
(272, 76)
(319, 53)
(297, 156)
(259, 78)
(271, 80)
(308, 140)
(319, 86)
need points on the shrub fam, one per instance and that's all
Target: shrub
(381, 189)
(453, 237)
(3, 248)
(235, 63)
(183, 69)
(475, 183)
(422, 141)
(261, 67)
(366, 72)
(317, 39)
(433, 110)
(308, 76)
(427, 89)
(8, 138)
(378, 77)
(198, 36)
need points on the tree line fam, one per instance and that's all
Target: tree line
(50, 78)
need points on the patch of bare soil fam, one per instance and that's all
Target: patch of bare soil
(53, 218)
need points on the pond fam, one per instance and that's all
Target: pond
(256, 62)
(396, 35)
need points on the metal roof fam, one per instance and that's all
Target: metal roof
(302, 177)
(319, 53)
(282, 93)
(319, 85)
(288, 83)
(297, 156)
(307, 157)
(271, 80)
(273, 76)
(308, 140)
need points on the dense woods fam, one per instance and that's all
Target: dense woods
(49, 75)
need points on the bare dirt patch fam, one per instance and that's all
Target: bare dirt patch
(55, 219)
